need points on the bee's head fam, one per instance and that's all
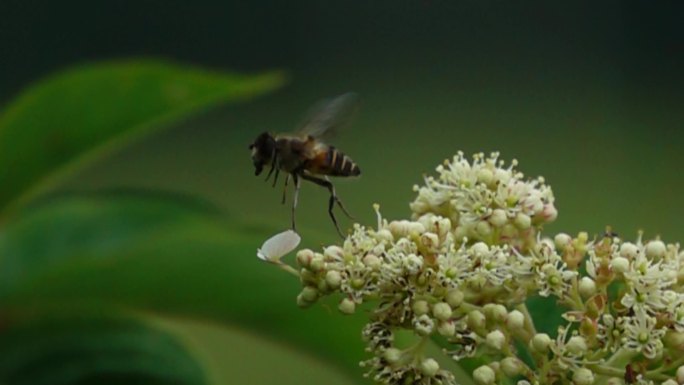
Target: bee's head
(263, 150)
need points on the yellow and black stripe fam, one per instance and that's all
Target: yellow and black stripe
(340, 164)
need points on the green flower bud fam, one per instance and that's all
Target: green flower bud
(446, 328)
(515, 321)
(496, 339)
(561, 241)
(317, 264)
(587, 287)
(619, 265)
(429, 367)
(441, 311)
(511, 366)
(522, 221)
(420, 307)
(577, 345)
(540, 343)
(498, 218)
(347, 306)
(454, 298)
(392, 355)
(309, 294)
(304, 257)
(656, 249)
(583, 376)
(495, 312)
(333, 279)
(629, 250)
(476, 321)
(483, 228)
(372, 261)
(484, 375)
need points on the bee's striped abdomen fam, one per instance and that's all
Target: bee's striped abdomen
(340, 164)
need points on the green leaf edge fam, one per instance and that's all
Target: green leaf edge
(259, 84)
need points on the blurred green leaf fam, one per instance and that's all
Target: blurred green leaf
(235, 356)
(74, 117)
(162, 254)
(99, 350)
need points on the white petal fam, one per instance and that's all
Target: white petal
(278, 245)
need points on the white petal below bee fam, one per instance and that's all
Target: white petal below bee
(278, 245)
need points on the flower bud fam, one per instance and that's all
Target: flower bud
(429, 367)
(583, 376)
(522, 221)
(485, 176)
(540, 343)
(674, 340)
(333, 278)
(498, 218)
(454, 298)
(515, 321)
(483, 229)
(629, 250)
(384, 235)
(416, 228)
(309, 294)
(317, 264)
(347, 306)
(670, 382)
(460, 232)
(619, 265)
(479, 249)
(496, 339)
(549, 213)
(511, 366)
(561, 241)
(509, 231)
(372, 261)
(495, 312)
(446, 328)
(333, 253)
(484, 375)
(304, 257)
(680, 374)
(656, 249)
(577, 345)
(587, 287)
(430, 240)
(442, 311)
(392, 355)
(420, 307)
(476, 320)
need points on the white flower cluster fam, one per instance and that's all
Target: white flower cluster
(486, 200)
(462, 270)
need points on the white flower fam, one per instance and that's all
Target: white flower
(641, 335)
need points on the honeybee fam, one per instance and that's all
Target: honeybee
(304, 155)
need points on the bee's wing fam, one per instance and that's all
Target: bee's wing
(328, 116)
(278, 246)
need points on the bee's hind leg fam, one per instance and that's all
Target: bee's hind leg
(296, 198)
(333, 198)
(287, 180)
(339, 202)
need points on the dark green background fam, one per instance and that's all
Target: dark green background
(588, 94)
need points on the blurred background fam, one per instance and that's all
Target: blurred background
(588, 94)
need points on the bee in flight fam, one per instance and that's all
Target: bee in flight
(304, 155)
